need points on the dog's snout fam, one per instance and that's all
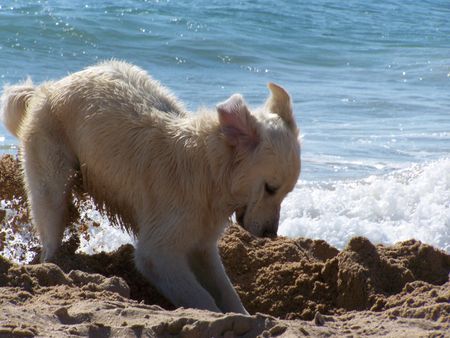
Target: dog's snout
(270, 233)
(271, 229)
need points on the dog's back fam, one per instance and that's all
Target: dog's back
(109, 121)
(116, 86)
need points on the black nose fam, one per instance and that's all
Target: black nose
(271, 233)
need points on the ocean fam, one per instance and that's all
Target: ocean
(370, 83)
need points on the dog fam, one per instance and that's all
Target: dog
(172, 177)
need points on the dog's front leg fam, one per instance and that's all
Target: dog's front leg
(171, 274)
(209, 270)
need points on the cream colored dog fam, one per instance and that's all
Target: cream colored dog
(173, 178)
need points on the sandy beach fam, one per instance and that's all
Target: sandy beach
(292, 287)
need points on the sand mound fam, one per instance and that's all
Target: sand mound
(296, 278)
(310, 287)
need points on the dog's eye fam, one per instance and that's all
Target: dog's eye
(270, 190)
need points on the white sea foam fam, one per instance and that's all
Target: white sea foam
(103, 237)
(407, 203)
(18, 238)
(16, 242)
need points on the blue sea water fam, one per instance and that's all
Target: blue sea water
(370, 83)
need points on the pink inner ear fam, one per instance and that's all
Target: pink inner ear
(238, 125)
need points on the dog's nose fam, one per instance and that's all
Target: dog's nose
(270, 229)
(271, 233)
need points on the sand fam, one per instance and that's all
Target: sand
(292, 287)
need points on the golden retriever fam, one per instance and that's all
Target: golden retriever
(172, 177)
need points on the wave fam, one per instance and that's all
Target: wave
(406, 203)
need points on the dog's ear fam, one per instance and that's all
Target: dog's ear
(237, 123)
(279, 103)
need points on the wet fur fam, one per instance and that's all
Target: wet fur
(173, 178)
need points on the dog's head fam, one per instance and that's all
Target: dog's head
(265, 156)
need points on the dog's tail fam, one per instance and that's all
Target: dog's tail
(14, 102)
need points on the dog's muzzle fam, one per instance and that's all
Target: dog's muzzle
(269, 230)
(270, 233)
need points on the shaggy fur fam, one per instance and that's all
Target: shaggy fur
(173, 178)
